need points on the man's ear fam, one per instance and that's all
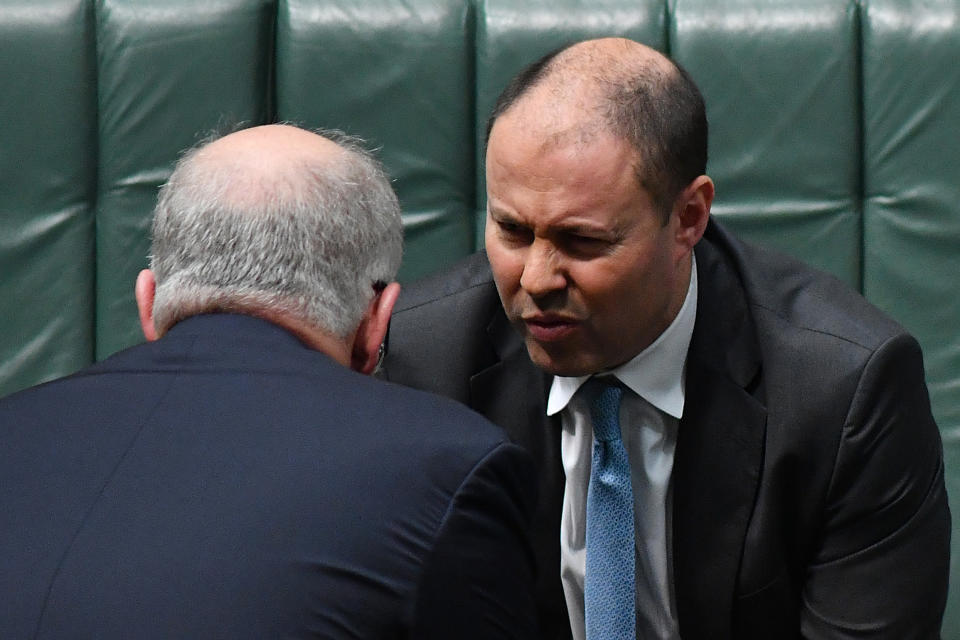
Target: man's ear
(694, 211)
(372, 331)
(145, 291)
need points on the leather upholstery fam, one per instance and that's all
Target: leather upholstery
(782, 98)
(834, 129)
(48, 170)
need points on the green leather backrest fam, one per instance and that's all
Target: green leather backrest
(783, 102)
(48, 168)
(834, 134)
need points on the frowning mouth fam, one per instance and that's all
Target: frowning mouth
(549, 327)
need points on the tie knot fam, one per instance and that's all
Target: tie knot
(605, 398)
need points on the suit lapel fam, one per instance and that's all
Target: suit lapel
(513, 394)
(719, 452)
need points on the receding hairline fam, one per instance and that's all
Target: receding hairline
(583, 78)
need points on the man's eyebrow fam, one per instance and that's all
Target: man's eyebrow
(592, 230)
(501, 215)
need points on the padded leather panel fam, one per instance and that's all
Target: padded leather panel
(512, 34)
(781, 83)
(399, 75)
(47, 178)
(170, 72)
(912, 181)
(912, 186)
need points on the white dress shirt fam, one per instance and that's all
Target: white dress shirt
(649, 418)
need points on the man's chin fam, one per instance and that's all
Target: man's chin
(558, 362)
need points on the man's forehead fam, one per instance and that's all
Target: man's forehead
(553, 120)
(578, 139)
(566, 180)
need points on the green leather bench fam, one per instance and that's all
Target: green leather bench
(834, 133)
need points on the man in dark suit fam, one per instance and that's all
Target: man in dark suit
(784, 468)
(236, 476)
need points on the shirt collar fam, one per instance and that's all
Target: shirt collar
(657, 373)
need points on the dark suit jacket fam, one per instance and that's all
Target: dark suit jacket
(808, 493)
(228, 482)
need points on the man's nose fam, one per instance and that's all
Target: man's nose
(542, 271)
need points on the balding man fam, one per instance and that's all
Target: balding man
(236, 476)
(731, 445)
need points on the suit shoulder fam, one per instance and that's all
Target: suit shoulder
(441, 421)
(792, 294)
(439, 330)
(469, 277)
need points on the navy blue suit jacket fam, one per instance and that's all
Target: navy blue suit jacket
(228, 482)
(808, 490)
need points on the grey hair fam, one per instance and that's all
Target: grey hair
(313, 244)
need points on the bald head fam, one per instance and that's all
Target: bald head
(583, 73)
(256, 164)
(271, 147)
(619, 87)
(275, 220)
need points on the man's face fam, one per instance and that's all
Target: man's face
(585, 268)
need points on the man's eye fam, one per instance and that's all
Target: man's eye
(586, 245)
(586, 240)
(513, 231)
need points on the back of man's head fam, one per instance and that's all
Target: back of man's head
(275, 221)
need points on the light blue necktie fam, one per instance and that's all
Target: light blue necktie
(609, 592)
